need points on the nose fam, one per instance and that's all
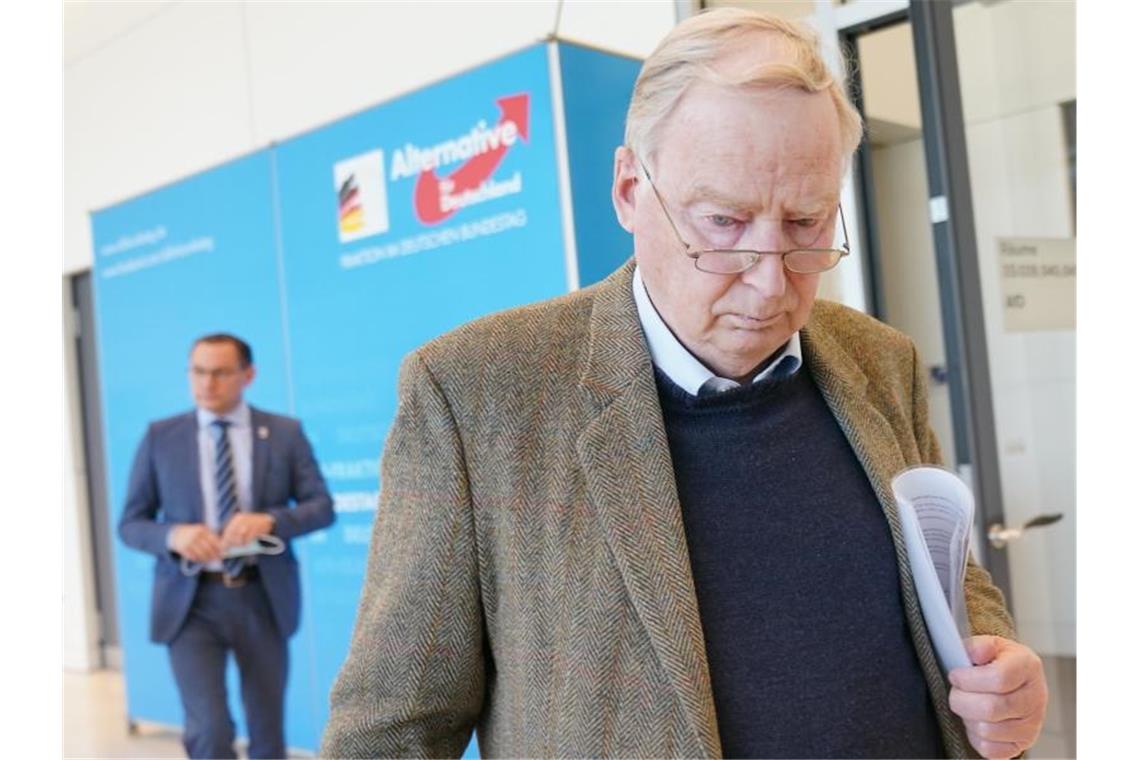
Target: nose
(767, 275)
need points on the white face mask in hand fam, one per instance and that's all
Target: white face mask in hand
(260, 545)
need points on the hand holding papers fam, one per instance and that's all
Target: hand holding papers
(1001, 717)
(936, 511)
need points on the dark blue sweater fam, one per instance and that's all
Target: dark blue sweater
(796, 579)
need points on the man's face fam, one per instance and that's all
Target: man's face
(758, 170)
(217, 378)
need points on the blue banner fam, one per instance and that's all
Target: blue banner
(399, 224)
(195, 257)
(596, 88)
(335, 254)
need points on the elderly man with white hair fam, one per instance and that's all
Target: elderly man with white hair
(653, 517)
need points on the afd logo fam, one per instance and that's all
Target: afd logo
(362, 196)
(482, 149)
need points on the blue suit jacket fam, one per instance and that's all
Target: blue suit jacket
(164, 489)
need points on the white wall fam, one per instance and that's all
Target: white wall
(154, 91)
(890, 87)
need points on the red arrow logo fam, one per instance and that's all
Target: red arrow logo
(515, 109)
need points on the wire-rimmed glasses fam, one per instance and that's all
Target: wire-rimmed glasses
(734, 260)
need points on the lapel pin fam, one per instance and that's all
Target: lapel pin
(263, 432)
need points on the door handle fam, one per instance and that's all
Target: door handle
(999, 535)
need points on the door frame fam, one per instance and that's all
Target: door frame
(955, 249)
(99, 517)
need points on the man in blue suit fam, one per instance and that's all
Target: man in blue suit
(204, 483)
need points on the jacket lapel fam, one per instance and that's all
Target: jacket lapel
(188, 440)
(261, 442)
(845, 389)
(624, 454)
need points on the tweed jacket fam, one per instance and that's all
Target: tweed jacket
(529, 575)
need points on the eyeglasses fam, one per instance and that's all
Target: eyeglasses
(201, 373)
(733, 260)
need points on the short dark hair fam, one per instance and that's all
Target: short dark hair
(245, 353)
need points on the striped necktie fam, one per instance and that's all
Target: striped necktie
(225, 486)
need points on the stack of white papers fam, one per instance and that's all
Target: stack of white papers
(936, 510)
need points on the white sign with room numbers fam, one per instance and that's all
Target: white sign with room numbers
(1038, 283)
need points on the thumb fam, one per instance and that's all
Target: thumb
(982, 649)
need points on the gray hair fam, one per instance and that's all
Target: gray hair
(689, 54)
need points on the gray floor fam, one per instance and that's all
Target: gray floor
(1059, 736)
(95, 721)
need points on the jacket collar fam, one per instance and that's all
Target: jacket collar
(616, 352)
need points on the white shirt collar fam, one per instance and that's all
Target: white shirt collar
(684, 369)
(238, 416)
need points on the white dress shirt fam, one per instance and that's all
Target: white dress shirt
(686, 370)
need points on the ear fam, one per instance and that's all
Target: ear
(625, 186)
(250, 373)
